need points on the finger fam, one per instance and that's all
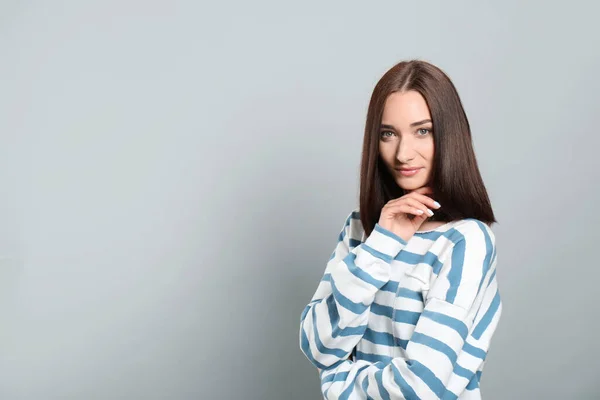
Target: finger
(406, 209)
(413, 202)
(417, 204)
(428, 201)
(424, 201)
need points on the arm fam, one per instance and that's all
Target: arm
(463, 302)
(334, 321)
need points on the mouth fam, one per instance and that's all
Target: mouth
(408, 171)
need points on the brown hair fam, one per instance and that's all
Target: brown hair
(455, 179)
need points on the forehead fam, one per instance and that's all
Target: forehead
(404, 108)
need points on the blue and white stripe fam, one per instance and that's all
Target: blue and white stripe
(419, 316)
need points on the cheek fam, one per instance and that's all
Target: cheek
(428, 150)
(386, 154)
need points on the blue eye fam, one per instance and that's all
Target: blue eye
(424, 129)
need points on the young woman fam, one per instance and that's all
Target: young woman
(409, 300)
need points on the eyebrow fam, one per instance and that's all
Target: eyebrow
(413, 124)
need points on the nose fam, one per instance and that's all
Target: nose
(405, 151)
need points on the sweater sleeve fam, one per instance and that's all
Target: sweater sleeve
(335, 319)
(461, 312)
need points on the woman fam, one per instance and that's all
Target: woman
(409, 300)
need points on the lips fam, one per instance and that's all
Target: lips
(408, 171)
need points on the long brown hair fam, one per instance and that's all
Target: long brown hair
(455, 179)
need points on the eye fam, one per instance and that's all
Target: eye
(383, 133)
(424, 131)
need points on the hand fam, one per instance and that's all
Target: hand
(397, 215)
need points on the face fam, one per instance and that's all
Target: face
(406, 139)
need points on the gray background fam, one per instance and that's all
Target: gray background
(175, 174)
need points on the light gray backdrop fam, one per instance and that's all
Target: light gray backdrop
(174, 176)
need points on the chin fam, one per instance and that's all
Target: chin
(407, 186)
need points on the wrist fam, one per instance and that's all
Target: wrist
(385, 241)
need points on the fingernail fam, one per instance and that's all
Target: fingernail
(429, 212)
(420, 211)
(437, 204)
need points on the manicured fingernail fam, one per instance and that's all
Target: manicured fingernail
(437, 204)
(419, 211)
(429, 212)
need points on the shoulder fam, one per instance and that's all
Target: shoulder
(472, 230)
(472, 242)
(353, 225)
(352, 217)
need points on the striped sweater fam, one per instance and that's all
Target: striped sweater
(392, 319)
